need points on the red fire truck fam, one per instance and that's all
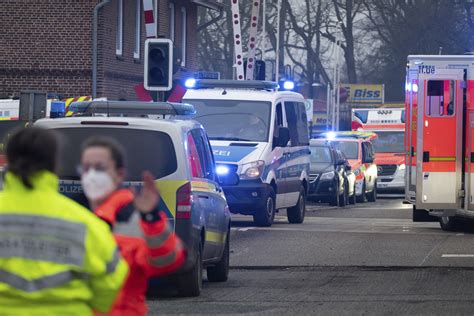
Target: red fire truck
(389, 125)
(439, 138)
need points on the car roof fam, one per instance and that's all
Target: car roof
(125, 122)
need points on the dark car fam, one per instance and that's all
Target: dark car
(331, 178)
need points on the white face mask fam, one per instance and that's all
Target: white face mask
(97, 184)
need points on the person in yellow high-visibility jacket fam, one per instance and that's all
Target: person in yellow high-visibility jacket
(56, 257)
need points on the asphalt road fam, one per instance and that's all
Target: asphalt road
(363, 259)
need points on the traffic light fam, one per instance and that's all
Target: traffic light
(158, 64)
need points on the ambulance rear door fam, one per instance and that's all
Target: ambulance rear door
(439, 138)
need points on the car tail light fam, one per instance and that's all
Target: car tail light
(184, 202)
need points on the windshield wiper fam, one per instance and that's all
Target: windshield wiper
(230, 138)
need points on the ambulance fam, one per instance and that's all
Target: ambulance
(389, 125)
(439, 138)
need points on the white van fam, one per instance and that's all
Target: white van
(262, 134)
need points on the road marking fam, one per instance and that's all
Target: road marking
(457, 256)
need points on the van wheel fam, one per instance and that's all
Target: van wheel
(363, 197)
(265, 216)
(372, 196)
(220, 271)
(449, 223)
(190, 283)
(297, 213)
(352, 198)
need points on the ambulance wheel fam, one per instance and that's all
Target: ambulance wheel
(265, 216)
(372, 196)
(220, 271)
(449, 223)
(352, 198)
(190, 283)
(296, 213)
(363, 197)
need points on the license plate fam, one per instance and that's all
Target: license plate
(382, 185)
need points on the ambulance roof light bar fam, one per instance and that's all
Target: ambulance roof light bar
(230, 84)
(131, 108)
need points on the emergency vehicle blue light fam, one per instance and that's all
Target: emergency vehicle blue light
(288, 85)
(190, 83)
(331, 135)
(222, 170)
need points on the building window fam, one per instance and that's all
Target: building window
(171, 20)
(183, 36)
(119, 35)
(138, 30)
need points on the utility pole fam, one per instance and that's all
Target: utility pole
(277, 49)
(264, 29)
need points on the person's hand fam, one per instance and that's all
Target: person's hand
(149, 196)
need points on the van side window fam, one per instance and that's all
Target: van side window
(303, 137)
(204, 157)
(210, 157)
(440, 98)
(292, 120)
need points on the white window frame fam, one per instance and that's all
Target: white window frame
(184, 32)
(138, 29)
(172, 20)
(119, 33)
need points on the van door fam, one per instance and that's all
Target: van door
(411, 133)
(279, 155)
(297, 157)
(440, 139)
(470, 162)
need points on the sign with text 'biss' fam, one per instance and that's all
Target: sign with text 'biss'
(364, 93)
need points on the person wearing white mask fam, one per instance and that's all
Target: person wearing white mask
(141, 230)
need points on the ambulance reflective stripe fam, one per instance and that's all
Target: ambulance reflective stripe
(43, 283)
(441, 159)
(42, 238)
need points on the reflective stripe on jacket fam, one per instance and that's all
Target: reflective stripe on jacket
(55, 256)
(151, 249)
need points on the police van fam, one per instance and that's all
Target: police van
(262, 134)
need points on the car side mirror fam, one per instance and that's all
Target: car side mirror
(229, 179)
(283, 137)
(348, 167)
(369, 160)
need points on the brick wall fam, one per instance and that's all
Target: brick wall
(45, 45)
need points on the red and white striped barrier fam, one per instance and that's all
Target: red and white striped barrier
(150, 23)
(239, 61)
(252, 39)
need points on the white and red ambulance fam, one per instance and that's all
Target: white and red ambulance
(440, 137)
(389, 125)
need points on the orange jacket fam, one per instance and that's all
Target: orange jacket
(148, 244)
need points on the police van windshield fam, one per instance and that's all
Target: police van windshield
(320, 154)
(144, 149)
(389, 142)
(350, 149)
(234, 120)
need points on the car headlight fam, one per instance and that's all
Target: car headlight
(402, 167)
(327, 175)
(252, 170)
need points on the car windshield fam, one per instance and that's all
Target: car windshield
(233, 119)
(320, 154)
(389, 142)
(144, 150)
(350, 149)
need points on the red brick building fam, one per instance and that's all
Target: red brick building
(46, 45)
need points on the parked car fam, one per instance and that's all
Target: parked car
(331, 178)
(179, 155)
(358, 148)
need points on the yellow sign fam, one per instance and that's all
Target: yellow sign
(364, 93)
